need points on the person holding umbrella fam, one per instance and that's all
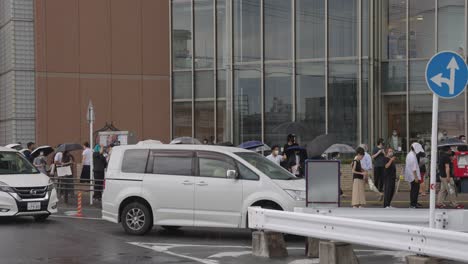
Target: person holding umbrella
(295, 160)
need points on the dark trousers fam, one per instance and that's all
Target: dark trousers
(66, 186)
(389, 190)
(98, 184)
(379, 178)
(414, 193)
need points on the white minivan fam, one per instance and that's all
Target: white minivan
(193, 185)
(24, 191)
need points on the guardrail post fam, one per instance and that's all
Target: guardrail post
(332, 252)
(312, 247)
(268, 244)
(421, 260)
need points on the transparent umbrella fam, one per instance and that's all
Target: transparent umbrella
(186, 141)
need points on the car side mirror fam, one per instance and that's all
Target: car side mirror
(231, 174)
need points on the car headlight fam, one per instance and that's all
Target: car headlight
(5, 188)
(297, 195)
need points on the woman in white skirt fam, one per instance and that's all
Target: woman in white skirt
(359, 178)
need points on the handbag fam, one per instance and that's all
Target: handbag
(64, 171)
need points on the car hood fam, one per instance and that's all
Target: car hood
(297, 185)
(25, 180)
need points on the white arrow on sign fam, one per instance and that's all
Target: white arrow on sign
(438, 79)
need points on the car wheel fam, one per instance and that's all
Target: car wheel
(171, 228)
(41, 218)
(136, 219)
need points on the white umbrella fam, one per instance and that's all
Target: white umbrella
(14, 146)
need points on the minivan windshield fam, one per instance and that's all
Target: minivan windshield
(15, 163)
(266, 166)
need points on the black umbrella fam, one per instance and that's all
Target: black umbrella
(451, 142)
(69, 147)
(319, 145)
(46, 149)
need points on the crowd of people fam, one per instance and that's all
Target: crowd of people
(379, 171)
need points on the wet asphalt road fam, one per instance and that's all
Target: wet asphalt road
(67, 241)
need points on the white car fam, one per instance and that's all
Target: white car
(193, 185)
(24, 191)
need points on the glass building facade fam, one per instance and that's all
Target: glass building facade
(261, 69)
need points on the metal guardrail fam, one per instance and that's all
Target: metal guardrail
(449, 219)
(420, 240)
(75, 184)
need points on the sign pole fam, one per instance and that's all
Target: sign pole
(91, 143)
(435, 117)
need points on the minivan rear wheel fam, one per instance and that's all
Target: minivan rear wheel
(136, 219)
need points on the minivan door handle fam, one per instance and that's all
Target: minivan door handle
(187, 183)
(202, 183)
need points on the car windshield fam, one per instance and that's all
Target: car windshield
(15, 163)
(266, 166)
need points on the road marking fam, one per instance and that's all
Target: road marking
(165, 250)
(230, 254)
(75, 217)
(306, 261)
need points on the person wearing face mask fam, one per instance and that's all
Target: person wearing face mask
(389, 178)
(394, 141)
(275, 156)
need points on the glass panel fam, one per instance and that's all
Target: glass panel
(173, 166)
(181, 34)
(420, 108)
(451, 36)
(182, 121)
(247, 26)
(342, 101)
(394, 30)
(278, 102)
(204, 84)
(204, 34)
(247, 104)
(214, 167)
(310, 29)
(417, 78)
(222, 32)
(278, 29)
(310, 98)
(365, 102)
(342, 20)
(222, 127)
(182, 85)
(134, 161)
(394, 76)
(365, 27)
(421, 35)
(394, 118)
(204, 121)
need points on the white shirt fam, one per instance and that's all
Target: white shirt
(276, 159)
(366, 162)
(411, 166)
(58, 157)
(87, 156)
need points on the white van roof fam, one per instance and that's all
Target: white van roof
(184, 147)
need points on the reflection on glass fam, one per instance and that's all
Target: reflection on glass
(394, 76)
(204, 120)
(222, 35)
(396, 29)
(182, 85)
(452, 116)
(421, 32)
(365, 102)
(278, 29)
(394, 118)
(310, 98)
(365, 27)
(342, 16)
(247, 110)
(451, 28)
(278, 102)
(342, 101)
(204, 33)
(310, 29)
(420, 116)
(182, 119)
(204, 85)
(247, 26)
(417, 78)
(181, 34)
(222, 126)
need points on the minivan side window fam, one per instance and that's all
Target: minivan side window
(134, 161)
(246, 173)
(213, 165)
(172, 163)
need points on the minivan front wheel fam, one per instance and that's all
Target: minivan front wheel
(136, 219)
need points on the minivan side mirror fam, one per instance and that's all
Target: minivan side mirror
(231, 174)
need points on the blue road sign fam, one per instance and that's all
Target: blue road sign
(446, 74)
